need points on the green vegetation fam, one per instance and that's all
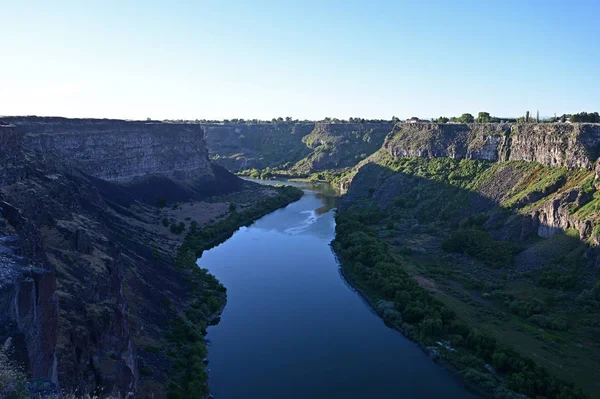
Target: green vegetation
(466, 118)
(188, 348)
(462, 232)
(212, 233)
(478, 244)
(177, 228)
(483, 117)
(366, 260)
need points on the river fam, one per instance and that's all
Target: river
(293, 327)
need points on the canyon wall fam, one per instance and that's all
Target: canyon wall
(245, 146)
(302, 147)
(551, 144)
(10, 154)
(119, 150)
(74, 197)
(553, 198)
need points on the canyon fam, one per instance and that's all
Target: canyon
(493, 224)
(92, 286)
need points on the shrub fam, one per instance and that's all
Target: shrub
(178, 228)
(553, 323)
(478, 244)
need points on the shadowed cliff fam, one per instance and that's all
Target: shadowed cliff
(511, 247)
(86, 265)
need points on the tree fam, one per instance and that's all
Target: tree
(527, 117)
(443, 120)
(288, 119)
(466, 118)
(483, 117)
(537, 117)
(592, 117)
(395, 119)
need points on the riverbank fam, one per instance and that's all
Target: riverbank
(392, 321)
(187, 346)
(477, 359)
(331, 177)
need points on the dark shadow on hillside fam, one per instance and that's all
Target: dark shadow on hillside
(489, 264)
(154, 188)
(416, 203)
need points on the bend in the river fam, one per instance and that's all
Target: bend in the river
(293, 328)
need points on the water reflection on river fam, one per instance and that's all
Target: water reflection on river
(293, 328)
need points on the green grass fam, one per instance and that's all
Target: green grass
(478, 244)
(367, 262)
(546, 315)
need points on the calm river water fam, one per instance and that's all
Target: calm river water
(293, 328)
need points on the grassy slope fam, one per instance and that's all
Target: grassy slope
(545, 314)
(329, 147)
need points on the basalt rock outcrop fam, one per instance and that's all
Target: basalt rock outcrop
(303, 147)
(75, 196)
(558, 145)
(245, 146)
(551, 144)
(116, 149)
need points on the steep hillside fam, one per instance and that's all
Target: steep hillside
(297, 148)
(551, 144)
(256, 146)
(336, 146)
(96, 295)
(460, 220)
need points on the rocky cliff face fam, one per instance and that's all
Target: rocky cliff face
(340, 145)
(569, 145)
(10, 153)
(246, 146)
(73, 199)
(119, 150)
(302, 148)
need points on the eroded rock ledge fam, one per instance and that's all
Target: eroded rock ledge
(551, 144)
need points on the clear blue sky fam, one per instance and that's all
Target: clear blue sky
(305, 59)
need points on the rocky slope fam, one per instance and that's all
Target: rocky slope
(551, 144)
(119, 150)
(83, 267)
(301, 148)
(246, 146)
(500, 223)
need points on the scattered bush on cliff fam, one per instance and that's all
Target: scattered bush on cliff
(178, 228)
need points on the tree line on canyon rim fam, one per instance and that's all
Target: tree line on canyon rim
(482, 117)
